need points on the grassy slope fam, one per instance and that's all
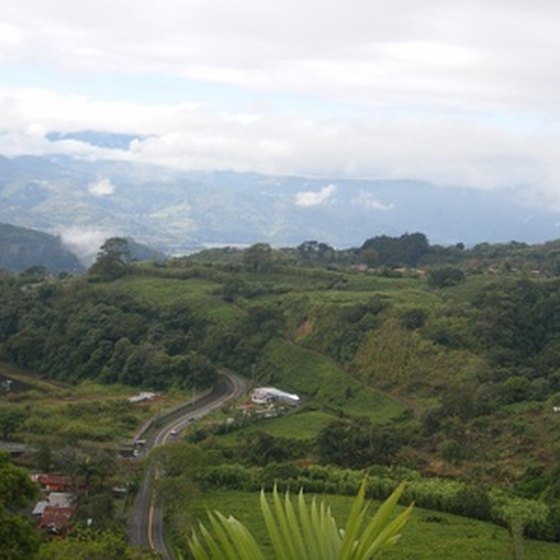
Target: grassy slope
(85, 412)
(428, 534)
(318, 378)
(391, 356)
(304, 425)
(162, 292)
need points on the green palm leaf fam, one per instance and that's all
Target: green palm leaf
(303, 531)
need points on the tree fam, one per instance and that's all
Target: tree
(355, 443)
(445, 276)
(258, 257)
(18, 538)
(112, 259)
(406, 250)
(10, 420)
(88, 544)
(316, 253)
(304, 531)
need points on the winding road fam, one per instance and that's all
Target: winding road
(145, 521)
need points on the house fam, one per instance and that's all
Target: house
(53, 482)
(56, 520)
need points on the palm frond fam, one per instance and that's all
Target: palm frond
(303, 531)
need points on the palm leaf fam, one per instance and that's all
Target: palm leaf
(303, 531)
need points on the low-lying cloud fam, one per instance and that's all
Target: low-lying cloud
(85, 242)
(311, 198)
(369, 201)
(104, 187)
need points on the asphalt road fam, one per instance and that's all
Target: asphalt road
(145, 521)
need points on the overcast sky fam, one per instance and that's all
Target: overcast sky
(455, 92)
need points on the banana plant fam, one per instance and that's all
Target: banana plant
(299, 530)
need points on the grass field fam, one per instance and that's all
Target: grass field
(428, 535)
(163, 292)
(86, 412)
(320, 380)
(303, 425)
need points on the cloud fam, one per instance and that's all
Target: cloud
(369, 201)
(104, 187)
(85, 242)
(310, 198)
(432, 54)
(456, 93)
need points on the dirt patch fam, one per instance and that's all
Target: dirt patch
(304, 328)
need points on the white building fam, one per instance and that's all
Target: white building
(141, 397)
(268, 395)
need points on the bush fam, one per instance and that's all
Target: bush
(445, 277)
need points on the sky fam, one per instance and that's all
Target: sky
(459, 93)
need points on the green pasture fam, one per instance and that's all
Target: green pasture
(87, 412)
(427, 535)
(302, 425)
(195, 292)
(320, 380)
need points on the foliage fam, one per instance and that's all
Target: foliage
(112, 259)
(88, 544)
(81, 332)
(406, 250)
(445, 276)
(304, 531)
(258, 258)
(428, 534)
(18, 538)
(356, 443)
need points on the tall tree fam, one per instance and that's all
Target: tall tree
(112, 259)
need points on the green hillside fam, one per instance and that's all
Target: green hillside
(22, 248)
(445, 380)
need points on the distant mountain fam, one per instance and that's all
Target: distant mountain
(178, 211)
(21, 248)
(139, 252)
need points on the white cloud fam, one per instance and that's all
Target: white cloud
(369, 201)
(104, 187)
(457, 93)
(85, 242)
(498, 54)
(310, 198)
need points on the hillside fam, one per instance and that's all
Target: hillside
(448, 387)
(22, 248)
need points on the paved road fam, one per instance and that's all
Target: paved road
(145, 521)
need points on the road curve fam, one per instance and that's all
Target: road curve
(145, 521)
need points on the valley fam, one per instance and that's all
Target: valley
(444, 388)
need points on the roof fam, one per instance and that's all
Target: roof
(40, 507)
(273, 392)
(56, 518)
(53, 480)
(144, 396)
(61, 499)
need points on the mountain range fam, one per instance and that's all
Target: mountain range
(177, 212)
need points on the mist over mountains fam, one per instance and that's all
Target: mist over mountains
(180, 211)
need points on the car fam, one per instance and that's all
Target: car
(173, 432)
